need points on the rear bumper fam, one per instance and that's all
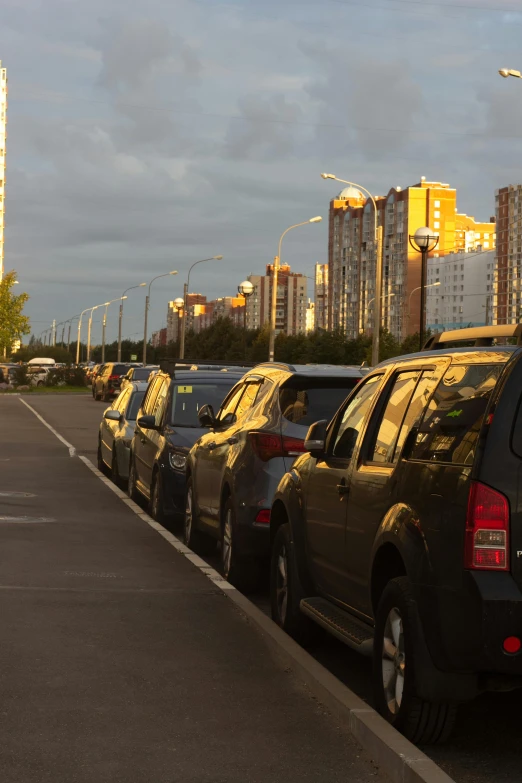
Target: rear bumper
(465, 629)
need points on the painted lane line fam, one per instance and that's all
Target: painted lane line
(72, 450)
(25, 520)
(17, 495)
(178, 545)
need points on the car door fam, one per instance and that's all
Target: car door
(110, 428)
(140, 440)
(328, 488)
(375, 478)
(208, 457)
(152, 437)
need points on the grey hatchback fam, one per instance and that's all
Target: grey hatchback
(116, 431)
(233, 471)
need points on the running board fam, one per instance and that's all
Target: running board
(339, 623)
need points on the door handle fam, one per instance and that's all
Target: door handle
(343, 488)
(232, 441)
(211, 445)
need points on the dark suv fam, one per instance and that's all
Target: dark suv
(233, 471)
(167, 426)
(107, 381)
(400, 532)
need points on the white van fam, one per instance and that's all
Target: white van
(41, 362)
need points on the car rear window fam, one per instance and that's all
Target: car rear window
(119, 369)
(306, 400)
(188, 399)
(135, 404)
(451, 424)
(140, 374)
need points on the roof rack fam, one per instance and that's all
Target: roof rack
(172, 365)
(480, 336)
(282, 365)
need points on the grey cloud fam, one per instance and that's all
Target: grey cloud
(267, 130)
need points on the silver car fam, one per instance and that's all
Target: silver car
(116, 431)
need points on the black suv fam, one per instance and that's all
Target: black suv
(400, 532)
(234, 470)
(167, 426)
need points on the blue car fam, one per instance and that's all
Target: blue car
(167, 427)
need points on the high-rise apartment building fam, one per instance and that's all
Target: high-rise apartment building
(174, 316)
(508, 262)
(291, 300)
(3, 135)
(352, 252)
(321, 296)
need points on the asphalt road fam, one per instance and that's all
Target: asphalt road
(487, 743)
(119, 661)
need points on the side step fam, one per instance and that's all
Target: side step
(339, 623)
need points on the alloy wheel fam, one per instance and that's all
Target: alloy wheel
(188, 516)
(226, 547)
(282, 584)
(393, 661)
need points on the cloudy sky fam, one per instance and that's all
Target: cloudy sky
(144, 136)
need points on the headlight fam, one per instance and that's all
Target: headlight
(177, 461)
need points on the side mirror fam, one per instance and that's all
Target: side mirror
(112, 415)
(315, 438)
(147, 423)
(206, 416)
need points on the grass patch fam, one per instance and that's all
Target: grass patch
(49, 390)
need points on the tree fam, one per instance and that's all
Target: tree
(13, 324)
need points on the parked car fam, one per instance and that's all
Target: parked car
(166, 429)
(8, 373)
(138, 374)
(90, 373)
(38, 374)
(116, 432)
(400, 531)
(233, 470)
(107, 382)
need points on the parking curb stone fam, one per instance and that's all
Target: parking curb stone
(397, 757)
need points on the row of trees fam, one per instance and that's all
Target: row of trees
(224, 341)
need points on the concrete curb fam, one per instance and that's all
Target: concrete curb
(402, 761)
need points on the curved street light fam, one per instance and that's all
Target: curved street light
(275, 275)
(147, 300)
(141, 285)
(104, 322)
(185, 303)
(431, 285)
(506, 72)
(378, 267)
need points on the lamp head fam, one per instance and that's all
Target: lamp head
(179, 303)
(141, 285)
(315, 219)
(328, 176)
(245, 288)
(173, 273)
(422, 238)
(504, 72)
(123, 297)
(217, 258)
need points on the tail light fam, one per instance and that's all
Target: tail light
(263, 517)
(268, 445)
(487, 529)
(114, 377)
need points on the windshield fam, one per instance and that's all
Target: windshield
(305, 401)
(135, 404)
(187, 400)
(141, 374)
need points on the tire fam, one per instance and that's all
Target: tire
(132, 490)
(40, 383)
(115, 472)
(102, 467)
(106, 395)
(199, 542)
(97, 396)
(241, 572)
(286, 590)
(156, 500)
(394, 667)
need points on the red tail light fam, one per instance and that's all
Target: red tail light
(114, 377)
(268, 445)
(487, 530)
(263, 517)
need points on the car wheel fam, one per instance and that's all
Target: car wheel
(97, 395)
(195, 539)
(156, 500)
(115, 472)
(106, 395)
(132, 490)
(286, 590)
(101, 464)
(243, 573)
(40, 383)
(394, 667)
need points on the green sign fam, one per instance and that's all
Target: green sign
(134, 357)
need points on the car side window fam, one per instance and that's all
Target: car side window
(248, 399)
(421, 396)
(150, 397)
(121, 402)
(160, 403)
(453, 419)
(354, 416)
(401, 392)
(230, 403)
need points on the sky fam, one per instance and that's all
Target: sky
(145, 136)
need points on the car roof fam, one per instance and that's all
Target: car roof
(314, 370)
(479, 354)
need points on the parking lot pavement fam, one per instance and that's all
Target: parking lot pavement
(119, 660)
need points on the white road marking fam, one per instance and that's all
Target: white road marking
(26, 520)
(72, 450)
(178, 545)
(17, 495)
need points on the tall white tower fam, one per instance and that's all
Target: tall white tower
(3, 134)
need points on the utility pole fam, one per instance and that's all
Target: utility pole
(487, 310)
(145, 329)
(378, 294)
(184, 322)
(54, 332)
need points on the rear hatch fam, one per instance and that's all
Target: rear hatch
(304, 400)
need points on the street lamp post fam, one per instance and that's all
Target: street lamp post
(185, 303)
(423, 241)
(178, 304)
(88, 358)
(245, 289)
(145, 325)
(275, 275)
(104, 322)
(386, 296)
(121, 315)
(79, 334)
(377, 239)
(431, 285)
